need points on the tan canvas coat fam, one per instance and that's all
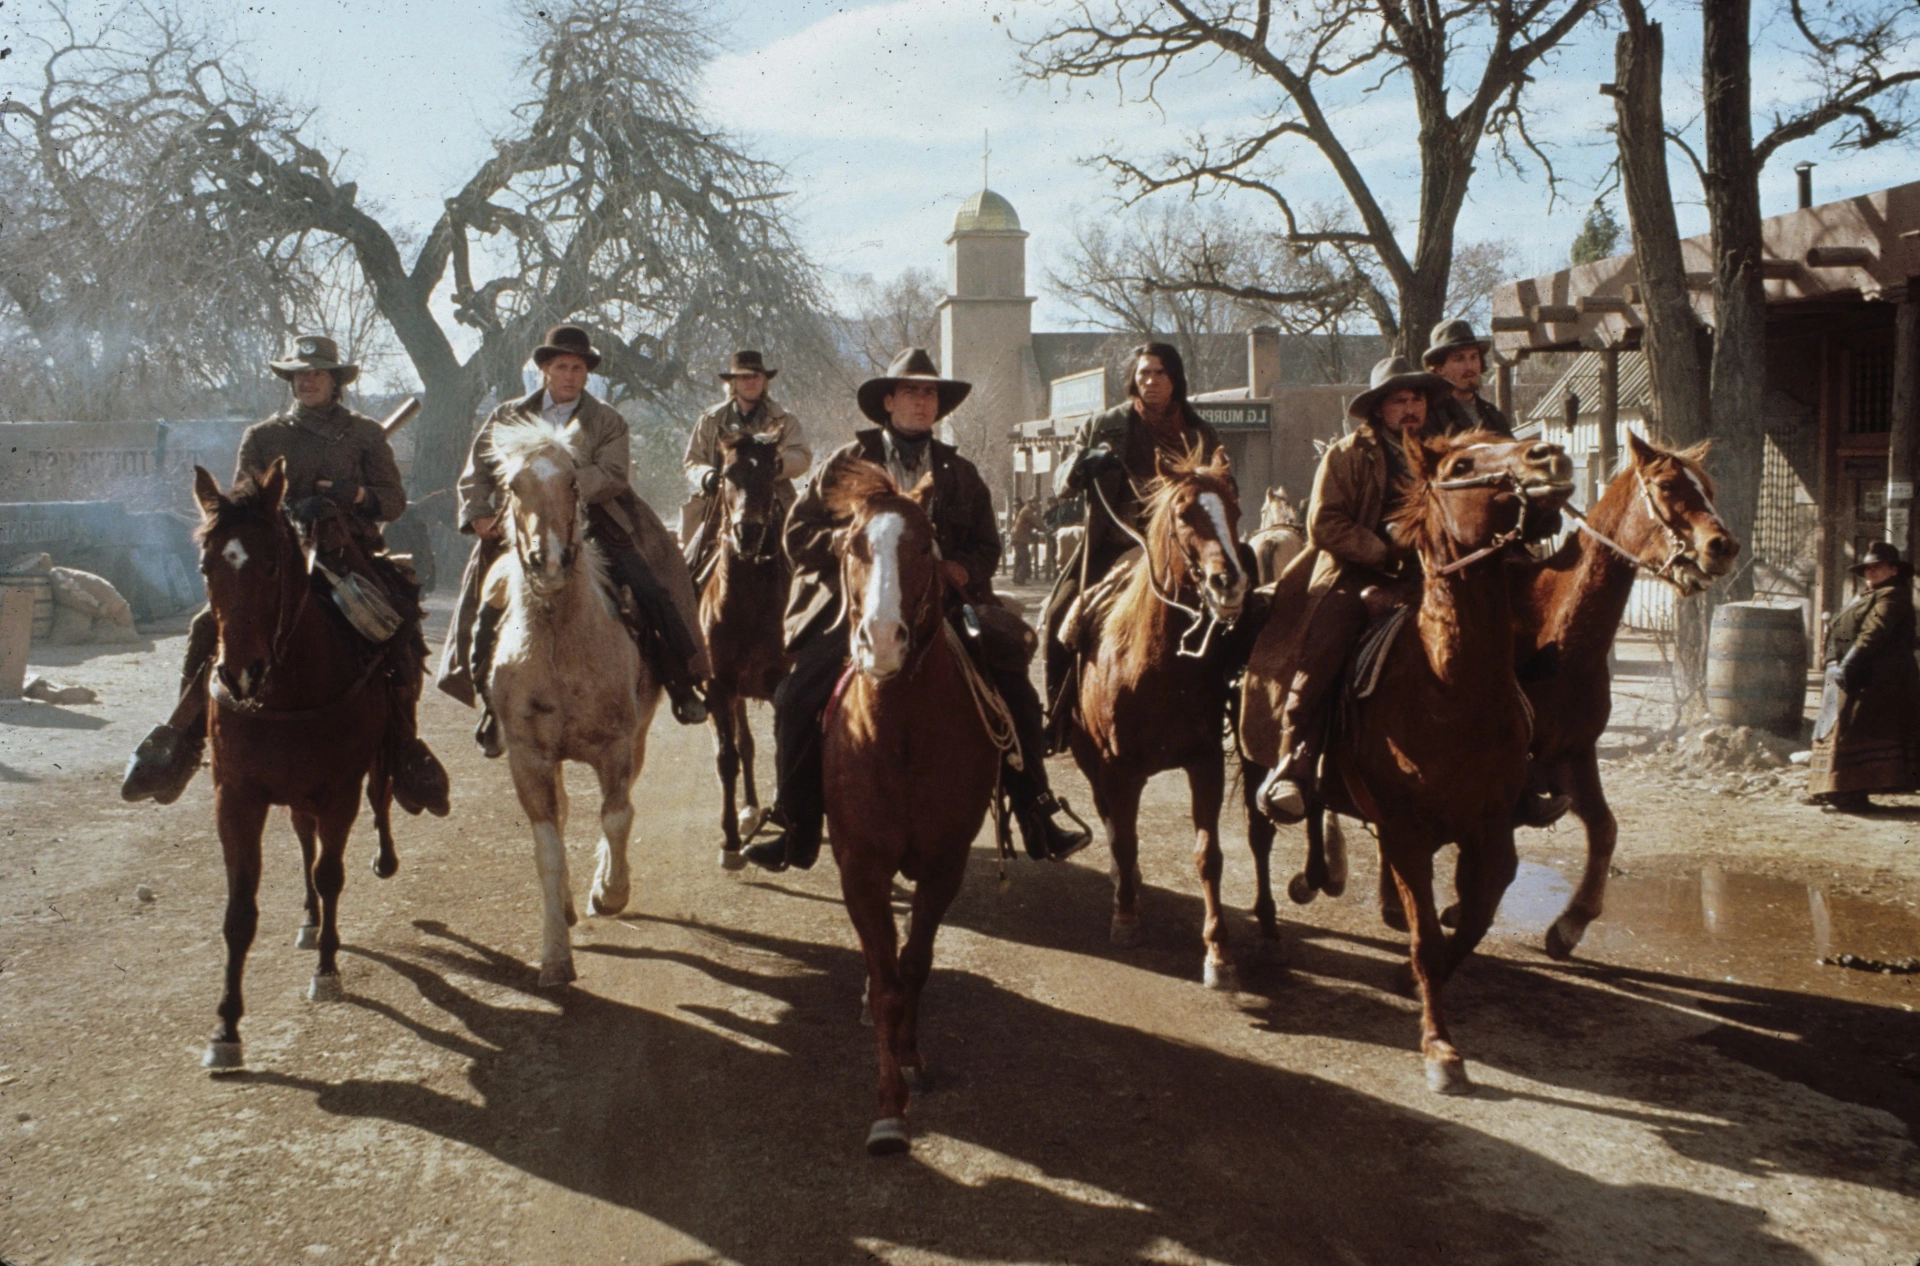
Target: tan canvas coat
(1343, 530)
(703, 453)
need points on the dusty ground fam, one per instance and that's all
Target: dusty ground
(1694, 1087)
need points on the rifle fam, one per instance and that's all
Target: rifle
(400, 416)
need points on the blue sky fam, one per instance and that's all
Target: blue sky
(877, 110)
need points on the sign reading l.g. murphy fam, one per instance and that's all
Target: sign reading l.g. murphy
(1236, 415)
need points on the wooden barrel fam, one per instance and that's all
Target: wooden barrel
(41, 586)
(1757, 666)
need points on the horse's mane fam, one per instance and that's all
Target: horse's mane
(1418, 520)
(514, 445)
(850, 482)
(1136, 605)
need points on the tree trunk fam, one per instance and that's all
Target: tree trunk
(1739, 375)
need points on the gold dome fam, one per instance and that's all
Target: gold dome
(986, 212)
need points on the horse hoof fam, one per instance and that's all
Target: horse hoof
(606, 902)
(888, 1137)
(573, 916)
(1450, 917)
(732, 859)
(1125, 932)
(325, 988)
(750, 819)
(1300, 890)
(222, 1055)
(1447, 1075)
(1564, 936)
(1394, 917)
(1222, 976)
(308, 937)
(918, 1080)
(558, 975)
(386, 865)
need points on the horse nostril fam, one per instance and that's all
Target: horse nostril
(1723, 545)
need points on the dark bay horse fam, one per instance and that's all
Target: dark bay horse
(1437, 752)
(1153, 686)
(299, 719)
(909, 770)
(1656, 519)
(741, 604)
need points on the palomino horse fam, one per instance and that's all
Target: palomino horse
(1280, 538)
(1656, 518)
(1153, 689)
(299, 719)
(740, 609)
(568, 682)
(1436, 753)
(908, 774)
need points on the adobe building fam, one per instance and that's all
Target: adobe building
(1842, 394)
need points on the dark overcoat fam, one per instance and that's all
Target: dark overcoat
(1874, 742)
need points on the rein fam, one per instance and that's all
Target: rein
(1678, 549)
(225, 698)
(1499, 542)
(1203, 620)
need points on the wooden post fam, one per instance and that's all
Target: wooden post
(1503, 389)
(1609, 411)
(16, 633)
(1904, 425)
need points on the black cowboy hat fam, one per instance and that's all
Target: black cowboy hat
(567, 340)
(1881, 552)
(913, 364)
(314, 351)
(1391, 375)
(1449, 337)
(746, 362)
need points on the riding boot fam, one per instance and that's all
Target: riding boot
(167, 759)
(486, 635)
(671, 649)
(1283, 797)
(689, 706)
(799, 808)
(1539, 806)
(419, 779)
(1046, 835)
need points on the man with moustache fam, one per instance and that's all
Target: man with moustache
(1457, 355)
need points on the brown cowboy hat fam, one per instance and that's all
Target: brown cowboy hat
(1449, 337)
(746, 362)
(567, 340)
(913, 364)
(1881, 552)
(314, 351)
(1391, 375)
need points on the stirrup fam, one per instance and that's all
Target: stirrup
(1282, 797)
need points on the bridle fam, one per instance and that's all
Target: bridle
(1493, 479)
(764, 544)
(1201, 620)
(916, 653)
(536, 585)
(1679, 551)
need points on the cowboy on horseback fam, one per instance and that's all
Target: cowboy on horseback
(1114, 459)
(907, 402)
(1354, 568)
(642, 557)
(339, 466)
(1456, 354)
(749, 409)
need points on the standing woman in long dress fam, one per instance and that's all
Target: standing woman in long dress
(1868, 736)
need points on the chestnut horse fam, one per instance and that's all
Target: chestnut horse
(1436, 753)
(568, 683)
(908, 770)
(299, 718)
(1656, 518)
(1153, 685)
(740, 613)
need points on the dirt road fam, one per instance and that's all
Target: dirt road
(1694, 1087)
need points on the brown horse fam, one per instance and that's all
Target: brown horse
(740, 609)
(299, 719)
(908, 773)
(1436, 753)
(1656, 518)
(1153, 686)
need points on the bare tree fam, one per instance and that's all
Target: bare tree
(1304, 57)
(890, 315)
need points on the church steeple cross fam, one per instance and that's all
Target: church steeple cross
(986, 155)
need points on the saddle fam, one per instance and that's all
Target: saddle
(1370, 653)
(1090, 607)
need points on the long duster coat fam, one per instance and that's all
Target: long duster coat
(1874, 742)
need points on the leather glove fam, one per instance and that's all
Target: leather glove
(1097, 461)
(1854, 671)
(709, 481)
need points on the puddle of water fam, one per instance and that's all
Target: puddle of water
(1730, 923)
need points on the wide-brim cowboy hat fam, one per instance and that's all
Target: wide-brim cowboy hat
(1393, 374)
(567, 340)
(1881, 552)
(747, 362)
(911, 365)
(1449, 337)
(314, 352)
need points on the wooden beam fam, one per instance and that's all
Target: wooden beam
(1839, 256)
(1555, 313)
(1512, 324)
(1590, 305)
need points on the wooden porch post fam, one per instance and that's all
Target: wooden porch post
(1609, 410)
(1904, 425)
(1503, 388)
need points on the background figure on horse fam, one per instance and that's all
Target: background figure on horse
(643, 559)
(301, 715)
(912, 744)
(1352, 570)
(1280, 538)
(1151, 687)
(1456, 354)
(338, 467)
(741, 599)
(907, 402)
(1114, 460)
(748, 410)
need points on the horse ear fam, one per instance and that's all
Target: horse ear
(922, 493)
(1698, 453)
(1222, 462)
(207, 492)
(1161, 466)
(1421, 460)
(274, 487)
(1642, 451)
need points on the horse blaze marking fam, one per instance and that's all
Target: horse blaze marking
(1217, 511)
(883, 586)
(235, 553)
(545, 467)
